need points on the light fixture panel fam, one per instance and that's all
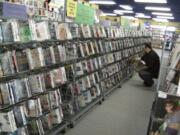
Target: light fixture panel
(123, 11)
(165, 17)
(102, 2)
(162, 14)
(157, 8)
(126, 7)
(109, 14)
(151, 1)
(145, 16)
(160, 20)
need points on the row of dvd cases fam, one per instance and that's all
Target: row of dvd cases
(47, 85)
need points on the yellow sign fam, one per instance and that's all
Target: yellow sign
(94, 6)
(71, 8)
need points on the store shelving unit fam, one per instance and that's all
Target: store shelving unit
(84, 110)
(106, 91)
(157, 38)
(163, 90)
(115, 78)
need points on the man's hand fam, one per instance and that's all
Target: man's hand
(135, 60)
(140, 66)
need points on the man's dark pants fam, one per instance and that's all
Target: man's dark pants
(147, 77)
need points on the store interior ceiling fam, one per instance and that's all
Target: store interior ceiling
(171, 8)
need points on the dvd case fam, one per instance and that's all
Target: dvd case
(71, 52)
(63, 74)
(33, 128)
(46, 123)
(52, 29)
(79, 69)
(48, 78)
(24, 31)
(63, 32)
(6, 97)
(75, 30)
(32, 27)
(56, 116)
(86, 32)
(45, 102)
(35, 58)
(42, 31)
(20, 61)
(49, 57)
(54, 98)
(33, 108)
(8, 123)
(36, 84)
(1, 34)
(20, 116)
(7, 32)
(7, 64)
(15, 30)
(19, 88)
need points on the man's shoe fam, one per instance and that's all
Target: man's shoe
(148, 84)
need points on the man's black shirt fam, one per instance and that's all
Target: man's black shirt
(152, 62)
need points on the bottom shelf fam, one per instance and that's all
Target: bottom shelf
(83, 112)
(116, 86)
(79, 115)
(72, 120)
(58, 129)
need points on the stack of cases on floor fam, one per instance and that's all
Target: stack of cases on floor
(44, 82)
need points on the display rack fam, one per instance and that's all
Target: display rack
(51, 67)
(167, 88)
(72, 72)
(163, 38)
(107, 90)
(157, 38)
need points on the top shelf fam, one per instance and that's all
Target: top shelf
(46, 43)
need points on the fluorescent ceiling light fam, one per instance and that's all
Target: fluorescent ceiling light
(123, 11)
(102, 2)
(165, 17)
(108, 14)
(141, 15)
(160, 20)
(163, 14)
(129, 17)
(151, 1)
(126, 7)
(119, 13)
(144, 16)
(158, 8)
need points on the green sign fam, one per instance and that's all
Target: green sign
(85, 14)
(125, 22)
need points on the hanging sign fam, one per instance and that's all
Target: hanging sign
(57, 3)
(85, 14)
(16, 11)
(125, 22)
(71, 8)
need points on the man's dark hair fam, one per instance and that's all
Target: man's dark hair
(148, 45)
